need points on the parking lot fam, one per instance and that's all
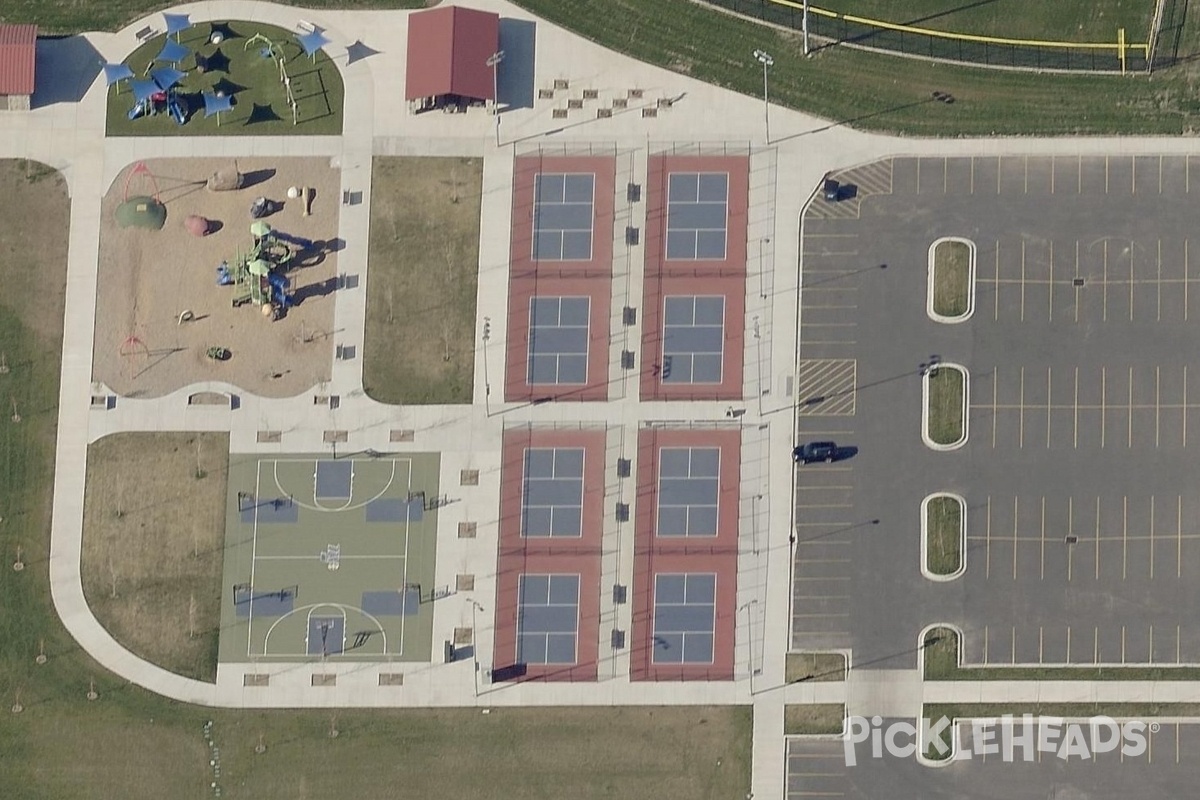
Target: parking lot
(1082, 537)
(817, 768)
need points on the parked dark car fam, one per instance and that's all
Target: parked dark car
(815, 451)
(831, 190)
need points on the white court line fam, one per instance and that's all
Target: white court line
(1097, 537)
(1124, 536)
(987, 567)
(1016, 514)
(1043, 575)
(1129, 441)
(1049, 404)
(253, 558)
(1076, 409)
(1070, 532)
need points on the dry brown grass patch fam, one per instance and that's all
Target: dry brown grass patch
(421, 285)
(153, 541)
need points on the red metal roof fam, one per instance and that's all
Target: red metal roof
(448, 49)
(17, 44)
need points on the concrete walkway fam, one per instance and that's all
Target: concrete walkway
(70, 136)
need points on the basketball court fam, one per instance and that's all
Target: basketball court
(330, 558)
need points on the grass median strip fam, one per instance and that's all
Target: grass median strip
(943, 532)
(815, 667)
(951, 278)
(813, 719)
(942, 664)
(945, 412)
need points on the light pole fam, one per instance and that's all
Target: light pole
(475, 643)
(758, 358)
(487, 384)
(765, 59)
(804, 25)
(750, 640)
(762, 280)
(494, 62)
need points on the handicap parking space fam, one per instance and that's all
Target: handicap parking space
(1076, 471)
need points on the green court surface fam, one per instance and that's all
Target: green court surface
(330, 558)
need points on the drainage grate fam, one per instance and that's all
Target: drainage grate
(1077, 282)
(1072, 539)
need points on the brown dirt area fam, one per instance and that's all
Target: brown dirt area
(421, 288)
(147, 278)
(153, 544)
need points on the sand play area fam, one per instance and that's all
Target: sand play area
(149, 278)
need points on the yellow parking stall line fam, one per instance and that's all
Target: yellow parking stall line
(987, 566)
(1014, 644)
(1016, 505)
(918, 174)
(1022, 280)
(1129, 441)
(1151, 537)
(985, 644)
(1179, 536)
(996, 286)
(1070, 532)
(1103, 404)
(1049, 405)
(1079, 186)
(1159, 273)
(814, 756)
(1133, 175)
(1104, 287)
(1131, 284)
(1026, 174)
(1051, 174)
(1068, 657)
(1043, 575)
(1073, 283)
(1051, 281)
(994, 398)
(1021, 428)
(1041, 633)
(1076, 409)
(1124, 536)
(1096, 645)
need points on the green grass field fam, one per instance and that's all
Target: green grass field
(1061, 20)
(883, 92)
(260, 103)
(72, 16)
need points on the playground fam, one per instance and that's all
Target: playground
(272, 86)
(330, 558)
(164, 300)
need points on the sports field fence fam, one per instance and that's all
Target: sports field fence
(833, 27)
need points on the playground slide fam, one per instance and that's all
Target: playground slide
(299, 241)
(175, 108)
(139, 109)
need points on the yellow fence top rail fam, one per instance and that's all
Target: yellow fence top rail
(1119, 46)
